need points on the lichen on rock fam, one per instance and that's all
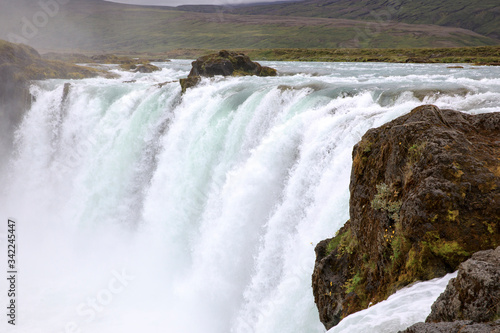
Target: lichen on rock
(425, 196)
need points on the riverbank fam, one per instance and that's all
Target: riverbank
(486, 55)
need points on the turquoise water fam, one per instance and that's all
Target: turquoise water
(206, 205)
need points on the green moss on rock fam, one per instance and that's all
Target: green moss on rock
(424, 197)
(225, 63)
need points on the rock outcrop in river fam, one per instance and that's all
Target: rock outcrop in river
(224, 63)
(425, 196)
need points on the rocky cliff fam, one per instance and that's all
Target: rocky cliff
(224, 63)
(425, 196)
(462, 326)
(474, 294)
(18, 65)
(471, 301)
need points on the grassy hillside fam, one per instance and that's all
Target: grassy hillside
(481, 16)
(26, 64)
(485, 55)
(95, 26)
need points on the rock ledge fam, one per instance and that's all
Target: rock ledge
(425, 196)
(471, 301)
(225, 63)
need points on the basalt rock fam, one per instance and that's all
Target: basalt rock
(147, 68)
(224, 63)
(474, 294)
(471, 301)
(463, 326)
(189, 82)
(425, 196)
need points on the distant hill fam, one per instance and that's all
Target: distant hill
(96, 26)
(481, 16)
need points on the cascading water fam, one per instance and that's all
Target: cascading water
(139, 209)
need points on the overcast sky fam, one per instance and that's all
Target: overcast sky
(188, 2)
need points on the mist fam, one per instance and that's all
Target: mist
(48, 25)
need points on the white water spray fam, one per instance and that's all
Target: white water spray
(143, 210)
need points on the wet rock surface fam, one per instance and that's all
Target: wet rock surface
(474, 294)
(464, 326)
(471, 301)
(425, 196)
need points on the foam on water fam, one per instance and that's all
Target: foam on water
(143, 210)
(406, 307)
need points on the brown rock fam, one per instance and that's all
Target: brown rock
(425, 195)
(189, 82)
(464, 326)
(474, 294)
(147, 68)
(224, 63)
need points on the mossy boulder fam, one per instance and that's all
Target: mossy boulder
(147, 68)
(225, 63)
(474, 294)
(461, 326)
(140, 68)
(189, 82)
(425, 196)
(471, 301)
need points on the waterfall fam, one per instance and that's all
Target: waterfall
(141, 209)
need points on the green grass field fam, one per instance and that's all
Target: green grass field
(485, 55)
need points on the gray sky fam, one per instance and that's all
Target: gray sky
(188, 2)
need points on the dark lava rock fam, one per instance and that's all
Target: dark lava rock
(224, 63)
(425, 196)
(474, 294)
(471, 301)
(464, 326)
(144, 67)
(189, 82)
(147, 68)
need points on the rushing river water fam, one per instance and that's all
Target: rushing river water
(139, 209)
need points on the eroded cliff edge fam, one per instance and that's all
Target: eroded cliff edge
(471, 301)
(425, 196)
(19, 64)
